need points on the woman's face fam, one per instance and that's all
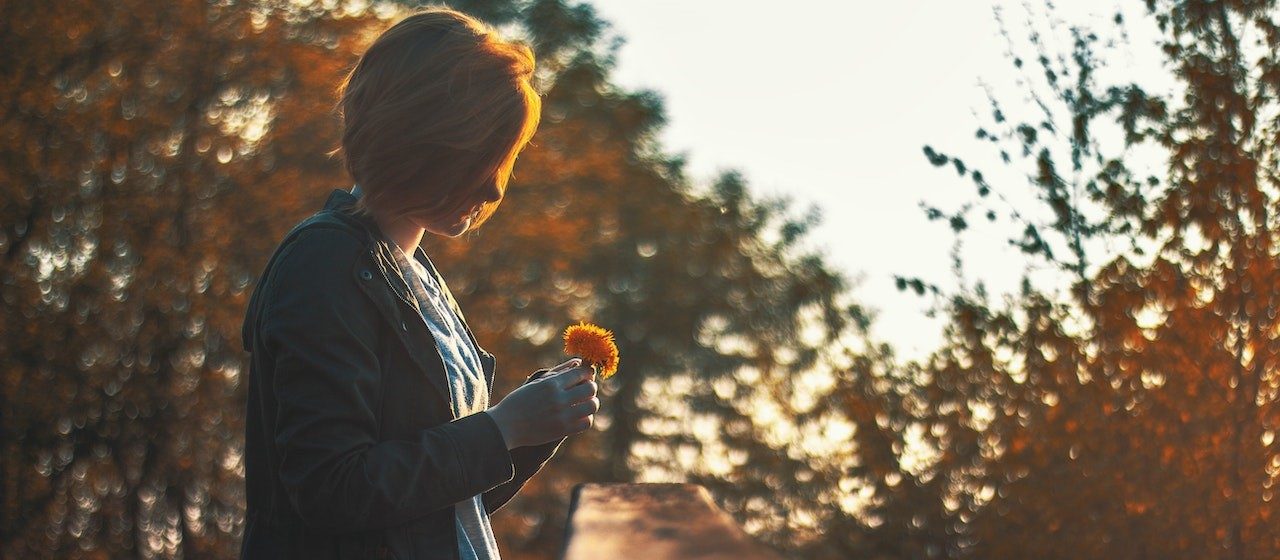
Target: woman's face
(453, 226)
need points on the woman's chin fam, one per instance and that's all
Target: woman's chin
(453, 230)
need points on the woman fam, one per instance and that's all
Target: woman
(369, 432)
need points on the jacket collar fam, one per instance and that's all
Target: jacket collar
(339, 202)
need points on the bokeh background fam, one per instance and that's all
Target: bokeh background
(1088, 368)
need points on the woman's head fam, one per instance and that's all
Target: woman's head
(434, 114)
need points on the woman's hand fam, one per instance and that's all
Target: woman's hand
(559, 403)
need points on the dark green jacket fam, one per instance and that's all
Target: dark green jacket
(351, 448)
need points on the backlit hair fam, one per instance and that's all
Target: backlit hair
(438, 105)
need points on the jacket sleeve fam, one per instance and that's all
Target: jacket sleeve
(320, 333)
(526, 461)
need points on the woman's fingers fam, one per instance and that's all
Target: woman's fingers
(571, 377)
(585, 408)
(570, 363)
(580, 392)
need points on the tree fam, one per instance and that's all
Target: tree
(1131, 415)
(141, 190)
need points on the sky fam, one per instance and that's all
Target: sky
(830, 103)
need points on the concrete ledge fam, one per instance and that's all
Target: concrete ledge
(653, 521)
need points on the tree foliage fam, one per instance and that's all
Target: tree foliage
(141, 190)
(1133, 414)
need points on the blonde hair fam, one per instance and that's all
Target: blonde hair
(437, 106)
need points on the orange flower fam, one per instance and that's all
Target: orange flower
(594, 345)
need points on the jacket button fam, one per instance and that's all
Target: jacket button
(365, 274)
(404, 326)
